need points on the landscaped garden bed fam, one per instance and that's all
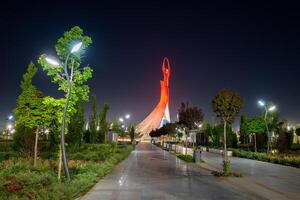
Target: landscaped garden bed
(89, 163)
(283, 159)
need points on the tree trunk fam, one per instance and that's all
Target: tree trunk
(35, 147)
(59, 164)
(186, 143)
(248, 142)
(225, 145)
(255, 142)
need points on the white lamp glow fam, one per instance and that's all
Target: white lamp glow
(51, 61)
(272, 108)
(261, 103)
(76, 47)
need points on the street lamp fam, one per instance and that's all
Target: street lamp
(267, 110)
(53, 62)
(10, 117)
(121, 119)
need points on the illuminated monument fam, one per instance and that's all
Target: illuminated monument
(161, 114)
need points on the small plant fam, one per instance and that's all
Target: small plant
(226, 166)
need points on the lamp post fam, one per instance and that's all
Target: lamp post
(267, 110)
(74, 49)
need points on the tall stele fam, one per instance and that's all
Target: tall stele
(161, 114)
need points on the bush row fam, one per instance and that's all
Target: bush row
(287, 160)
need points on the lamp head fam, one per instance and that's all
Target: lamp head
(76, 47)
(272, 108)
(261, 103)
(51, 61)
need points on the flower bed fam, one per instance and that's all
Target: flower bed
(288, 160)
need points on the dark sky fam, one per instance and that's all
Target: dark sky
(252, 48)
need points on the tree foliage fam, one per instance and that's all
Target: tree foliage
(29, 109)
(29, 112)
(78, 76)
(93, 122)
(188, 116)
(76, 125)
(103, 123)
(227, 104)
(255, 125)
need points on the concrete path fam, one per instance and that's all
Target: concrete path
(272, 178)
(150, 173)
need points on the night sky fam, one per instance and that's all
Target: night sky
(252, 48)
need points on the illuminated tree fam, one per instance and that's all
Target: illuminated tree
(71, 83)
(227, 104)
(255, 126)
(103, 123)
(75, 129)
(93, 123)
(30, 113)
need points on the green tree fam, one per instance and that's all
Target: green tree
(103, 123)
(132, 133)
(227, 104)
(29, 111)
(188, 117)
(243, 133)
(255, 125)
(93, 123)
(77, 90)
(75, 129)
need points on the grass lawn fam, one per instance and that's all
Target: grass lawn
(88, 164)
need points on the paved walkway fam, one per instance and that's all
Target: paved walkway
(150, 173)
(268, 177)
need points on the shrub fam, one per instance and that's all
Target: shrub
(186, 158)
(226, 166)
(7, 155)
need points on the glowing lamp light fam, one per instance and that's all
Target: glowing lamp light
(272, 108)
(121, 119)
(127, 116)
(10, 117)
(261, 103)
(52, 61)
(9, 126)
(76, 47)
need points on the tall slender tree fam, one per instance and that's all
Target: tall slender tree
(76, 125)
(103, 123)
(29, 110)
(227, 104)
(93, 123)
